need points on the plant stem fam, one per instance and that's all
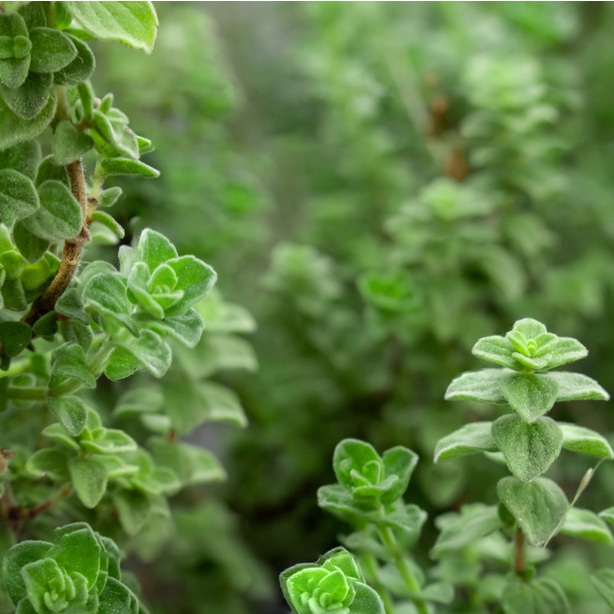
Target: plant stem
(26, 394)
(519, 551)
(392, 545)
(71, 255)
(369, 564)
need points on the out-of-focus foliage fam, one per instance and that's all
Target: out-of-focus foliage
(380, 184)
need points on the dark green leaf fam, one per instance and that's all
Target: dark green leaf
(24, 158)
(541, 596)
(89, 478)
(18, 196)
(14, 337)
(30, 99)
(14, 70)
(132, 23)
(69, 144)
(59, 216)
(538, 506)
(30, 246)
(80, 68)
(52, 50)
(14, 129)
(530, 395)
(133, 509)
(529, 449)
(603, 581)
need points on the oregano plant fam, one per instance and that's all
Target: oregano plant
(68, 322)
(485, 555)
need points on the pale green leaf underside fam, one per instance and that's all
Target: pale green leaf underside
(469, 439)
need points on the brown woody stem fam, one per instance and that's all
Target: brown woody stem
(519, 551)
(71, 255)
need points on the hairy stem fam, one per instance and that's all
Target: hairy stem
(71, 255)
(519, 562)
(369, 564)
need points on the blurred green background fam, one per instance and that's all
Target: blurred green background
(379, 185)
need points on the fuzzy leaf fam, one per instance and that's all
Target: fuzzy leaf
(133, 509)
(15, 130)
(70, 411)
(151, 351)
(186, 328)
(30, 246)
(132, 23)
(121, 364)
(18, 196)
(530, 395)
(28, 100)
(577, 387)
(495, 349)
(587, 525)
(529, 449)
(482, 386)
(14, 70)
(194, 279)
(59, 216)
(126, 166)
(117, 597)
(49, 462)
(15, 559)
(108, 441)
(52, 50)
(14, 337)
(80, 68)
(469, 439)
(69, 144)
(580, 439)
(539, 506)
(89, 478)
(69, 362)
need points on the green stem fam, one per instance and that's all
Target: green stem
(17, 367)
(519, 551)
(369, 564)
(26, 394)
(392, 545)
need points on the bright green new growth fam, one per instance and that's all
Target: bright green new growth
(334, 584)
(79, 572)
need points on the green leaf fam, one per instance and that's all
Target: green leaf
(190, 406)
(106, 294)
(104, 218)
(608, 515)
(14, 70)
(495, 349)
(30, 99)
(15, 559)
(603, 581)
(59, 216)
(52, 50)
(580, 439)
(587, 525)
(108, 441)
(14, 129)
(138, 401)
(14, 337)
(49, 462)
(58, 433)
(89, 479)
(30, 246)
(69, 143)
(530, 395)
(50, 169)
(186, 328)
(121, 364)
(473, 523)
(117, 597)
(24, 157)
(132, 23)
(18, 196)
(69, 362)
(80, 68)
(151, 351)
(110, 196)
(79, 550)
(577, 387)
(481, 386)
(126, 166)
(564, 350)
(539, 506)
(133, 509)
(529, 449)
(194, 279)
(154, 249)
(469, 439)
(541, 596)
(70, 411)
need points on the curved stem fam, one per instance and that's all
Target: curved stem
(370, 565)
